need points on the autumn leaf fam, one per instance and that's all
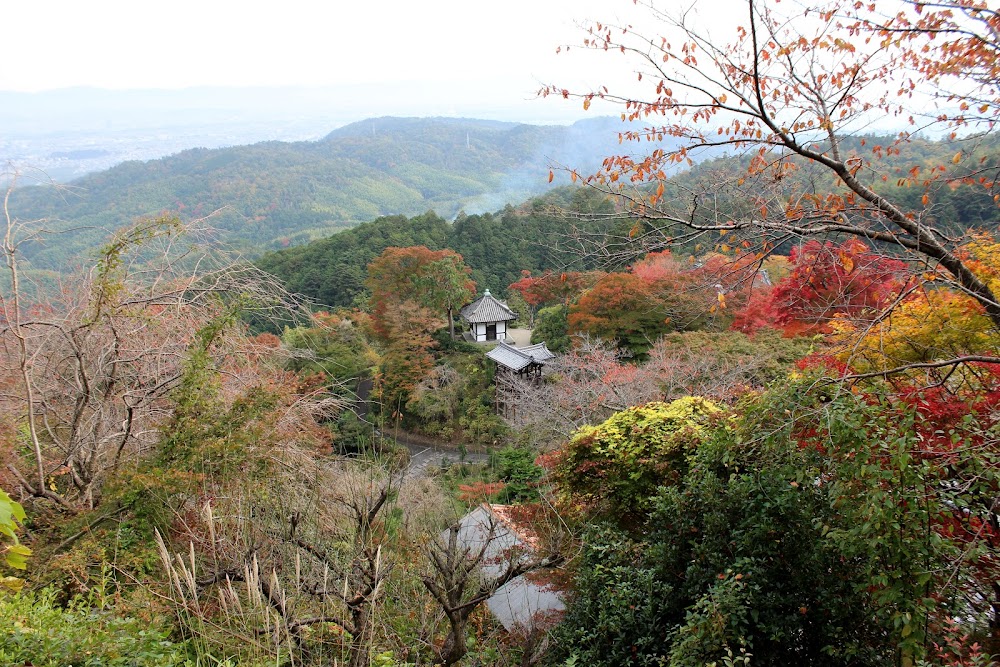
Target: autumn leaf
(551, 176)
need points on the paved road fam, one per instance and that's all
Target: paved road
(423, 459)
(422, 456)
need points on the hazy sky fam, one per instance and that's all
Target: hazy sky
(495, 50)
(183, 43)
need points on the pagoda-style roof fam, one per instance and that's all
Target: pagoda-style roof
(487, 308)
(518, 359)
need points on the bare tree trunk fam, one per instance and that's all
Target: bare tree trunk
(460, 587)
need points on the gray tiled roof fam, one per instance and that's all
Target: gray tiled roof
(518, 358)
(487, 308)
(522, 601)
(509, 356)
(538, 351)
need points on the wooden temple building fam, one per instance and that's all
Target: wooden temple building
(513, 364)
(487, 319)
(522, 361)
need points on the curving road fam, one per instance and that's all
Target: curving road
(424, 456)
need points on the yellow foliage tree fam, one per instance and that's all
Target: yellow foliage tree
(934, 324)
(614, 468)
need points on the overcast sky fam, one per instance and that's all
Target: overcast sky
(125, 44)
(495, 51)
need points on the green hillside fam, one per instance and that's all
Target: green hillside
(271, 195)
(498, 246)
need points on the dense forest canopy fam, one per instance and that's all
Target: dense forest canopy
(580, 229)
(498, 246)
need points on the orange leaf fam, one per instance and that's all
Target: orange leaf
(846, 262)
(551, 176)
(957, 158)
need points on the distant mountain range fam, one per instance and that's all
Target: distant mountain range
(274, 194)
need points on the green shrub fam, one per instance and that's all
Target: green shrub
(515, 467)
(40, 633)
(551, 327)
(613, 469)
(13, 554)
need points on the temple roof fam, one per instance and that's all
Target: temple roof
(539, 352)
(519, 358)
(487, 308)
(524, 601)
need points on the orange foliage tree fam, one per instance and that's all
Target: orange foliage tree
(434, 279)
(411, 288)
(552, 288)
(660, 294)
(624, 308)
(790, 93)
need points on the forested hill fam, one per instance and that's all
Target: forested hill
(498, 246)
(277, 194)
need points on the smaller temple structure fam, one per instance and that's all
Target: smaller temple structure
(487, 318)
(516, 363)
(521, 360)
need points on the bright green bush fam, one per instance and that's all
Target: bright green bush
(515, 467)
(35, 631)
(613, 469)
